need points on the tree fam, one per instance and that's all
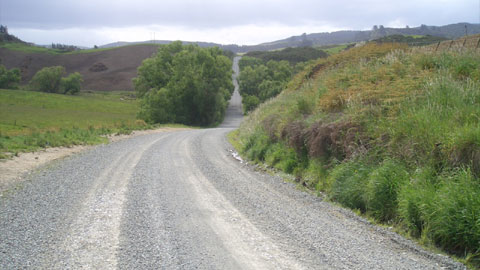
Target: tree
(184, 84)
(48, 79)
(263, 82)
(71, 84)
(9, 78)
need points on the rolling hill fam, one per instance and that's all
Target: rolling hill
(102, 70)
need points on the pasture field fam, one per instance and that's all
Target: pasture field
(31, 120)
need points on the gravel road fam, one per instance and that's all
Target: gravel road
(180, 200)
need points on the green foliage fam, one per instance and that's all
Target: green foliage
(184, 84)
(414, 198)
(72, 83)
(411, 40)
(48, 79)
(292, 55)
(263, 82)
(392, 132)
(382, 190)
(250, 103)
(9, 78)
(453, 221)
(445, 208)
(248, 61)
(348, 184)
(257, 146)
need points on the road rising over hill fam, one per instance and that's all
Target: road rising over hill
(179, 200)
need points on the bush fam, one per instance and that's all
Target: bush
(9, 78)
(382, 189)
(250, 103)
(48, 79)
(348, 184)
(71, 84)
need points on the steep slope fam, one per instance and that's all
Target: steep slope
(390, 131)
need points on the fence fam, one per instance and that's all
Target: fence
(464, 43)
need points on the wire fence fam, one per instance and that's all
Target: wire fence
(464, 43)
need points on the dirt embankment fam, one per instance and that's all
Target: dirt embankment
(102, 70)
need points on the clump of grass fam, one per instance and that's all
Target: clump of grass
(453, 220)
(383, 186)
(348, 184)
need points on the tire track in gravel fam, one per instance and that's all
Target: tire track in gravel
(93, 238)
(248, 246)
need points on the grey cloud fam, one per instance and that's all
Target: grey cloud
(52, 14)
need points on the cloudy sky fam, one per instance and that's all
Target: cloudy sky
(246, 22)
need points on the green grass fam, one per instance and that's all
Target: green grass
(22, 47)
(25, 111)
(391, 132)
(31, 120)
(334, 49)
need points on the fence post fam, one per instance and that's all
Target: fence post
(438, 45)
(478, 43)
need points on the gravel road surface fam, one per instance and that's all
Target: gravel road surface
(180, 200)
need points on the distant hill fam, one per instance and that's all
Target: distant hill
(451, 31)
(232, 47)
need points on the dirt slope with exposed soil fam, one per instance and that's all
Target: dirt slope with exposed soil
(102, 70)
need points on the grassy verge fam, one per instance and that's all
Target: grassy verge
(391, 133)
(33, 120)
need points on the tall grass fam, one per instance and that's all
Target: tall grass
(391, 132)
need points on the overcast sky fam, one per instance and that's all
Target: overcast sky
(97, 22)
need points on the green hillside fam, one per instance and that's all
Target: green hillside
(389, 131)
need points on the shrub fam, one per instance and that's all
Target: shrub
(9, 78)
(48, 79)
(250, 103)
(71, 84)
(382, 189)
